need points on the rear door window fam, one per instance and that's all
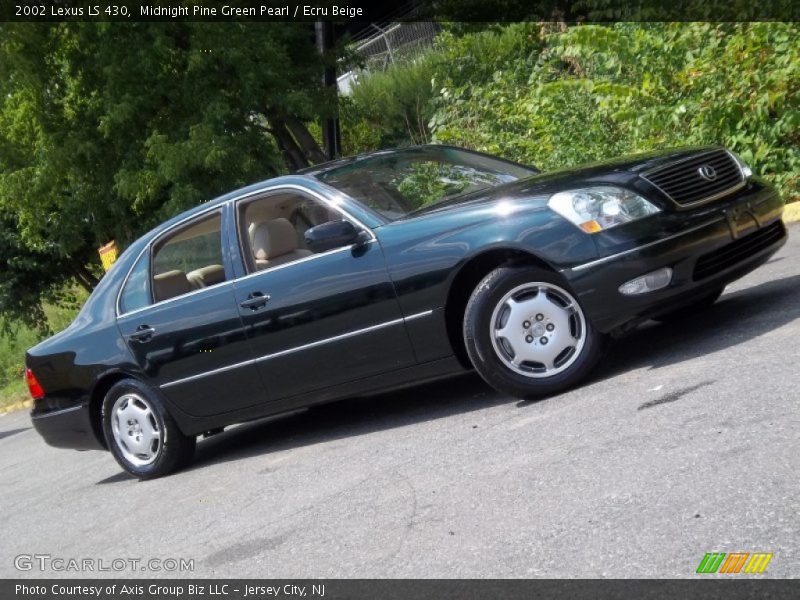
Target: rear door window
(188, 260)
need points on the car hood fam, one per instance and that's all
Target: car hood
(614, 171)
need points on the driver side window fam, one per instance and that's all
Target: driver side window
(272, 229)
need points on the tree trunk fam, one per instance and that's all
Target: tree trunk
(84, 276)
(287, 158)
(306, 141)
(295, 158)
(93, 281)
(82, 282)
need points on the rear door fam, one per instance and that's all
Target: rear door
(326, 318)
(179, 317)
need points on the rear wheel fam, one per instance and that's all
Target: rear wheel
(703, 303)
(140, 432)
(527, 335)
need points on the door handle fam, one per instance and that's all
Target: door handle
(255, 301)
(143, 333)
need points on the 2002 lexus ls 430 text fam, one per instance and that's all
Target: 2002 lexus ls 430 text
(385, 270)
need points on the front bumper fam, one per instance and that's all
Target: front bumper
(706, 250)
(67, 428)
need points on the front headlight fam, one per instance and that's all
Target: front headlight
(594, 209)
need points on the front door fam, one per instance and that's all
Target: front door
(320, 319)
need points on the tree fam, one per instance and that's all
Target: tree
(28, 278)
(108, 128)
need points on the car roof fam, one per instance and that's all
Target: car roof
(347, 160)
(220, 200)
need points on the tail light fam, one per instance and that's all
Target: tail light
(34, 387)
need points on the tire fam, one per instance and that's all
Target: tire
(703, 303)
(140, 433)
(508, 363)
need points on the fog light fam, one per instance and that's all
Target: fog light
(649, 282)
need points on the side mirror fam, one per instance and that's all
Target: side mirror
(333, 234)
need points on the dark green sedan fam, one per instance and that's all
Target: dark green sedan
(385, 270)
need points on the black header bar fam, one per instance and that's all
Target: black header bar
(344, 11)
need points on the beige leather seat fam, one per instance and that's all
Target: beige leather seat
(206, 276)
(170, 284)
(275, 243)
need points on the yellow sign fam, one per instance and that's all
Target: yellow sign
(108, 254)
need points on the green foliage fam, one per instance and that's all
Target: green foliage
(359, 131)
(20, 337)
(28, 279)
(499, 52)
(12, 354)
(13, 393)
(108, 128)
(393, 105)
(556, 96)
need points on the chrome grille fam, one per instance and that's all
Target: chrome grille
(683, 182)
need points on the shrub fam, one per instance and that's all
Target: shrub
(555, 96)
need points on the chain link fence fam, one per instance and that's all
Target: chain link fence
(379, 47)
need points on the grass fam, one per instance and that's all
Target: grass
(12, 354)
(13, 393)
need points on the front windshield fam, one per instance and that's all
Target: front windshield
(398, 182)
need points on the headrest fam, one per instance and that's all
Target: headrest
(274, 238)
(206, 276)
(170, 284)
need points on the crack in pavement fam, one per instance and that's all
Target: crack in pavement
(674, 396)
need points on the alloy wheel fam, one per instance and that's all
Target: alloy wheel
(137, 431)
(538, 329)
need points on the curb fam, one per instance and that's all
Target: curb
(791, 212)
(16, 406)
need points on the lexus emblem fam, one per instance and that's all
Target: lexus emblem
(707, 172)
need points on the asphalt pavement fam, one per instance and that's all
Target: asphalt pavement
(684, 442)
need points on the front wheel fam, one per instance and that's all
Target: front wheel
(527, 335)
(140, 432)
